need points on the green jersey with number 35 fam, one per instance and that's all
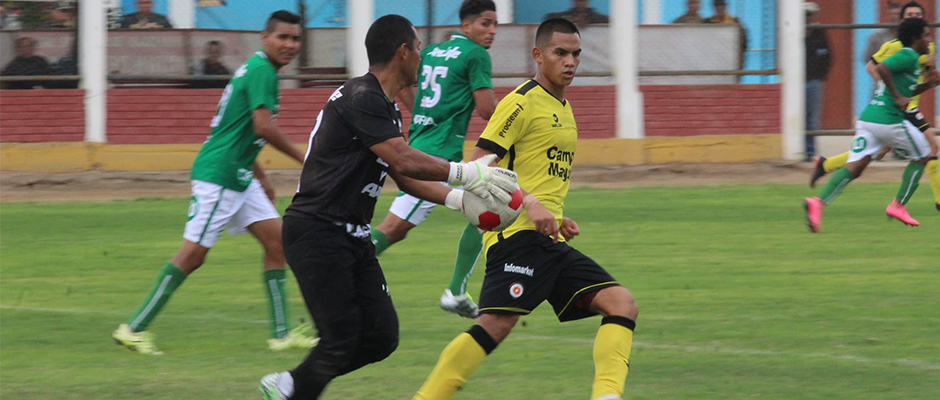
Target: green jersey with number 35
(905, 71)
(450, 73)
(227, 156)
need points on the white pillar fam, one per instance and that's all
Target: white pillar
(793, 77)
(361, 14)
(623, 51)
(652, 12)
(93, 67)
(504, 11)
(182, 13)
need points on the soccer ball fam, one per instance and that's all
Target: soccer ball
(488, 220)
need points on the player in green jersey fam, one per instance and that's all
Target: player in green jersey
(882, 124)
(231, 191)
(454, 80)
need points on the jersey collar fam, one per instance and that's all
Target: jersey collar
(563, 102)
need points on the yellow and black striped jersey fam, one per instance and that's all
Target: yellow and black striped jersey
(893, 46)
(535, 135)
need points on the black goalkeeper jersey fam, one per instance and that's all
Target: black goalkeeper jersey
(341, 177)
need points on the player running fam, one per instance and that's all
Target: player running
(882, 124)
(454, 78)
(356, 143)
(231, 191)
(534, 133)
(915, 119)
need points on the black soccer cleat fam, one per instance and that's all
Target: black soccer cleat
(818, 170)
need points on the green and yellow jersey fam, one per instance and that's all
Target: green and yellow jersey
(905, 72)
(891, 48)
(535, 135)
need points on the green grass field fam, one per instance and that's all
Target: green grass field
(737, 301)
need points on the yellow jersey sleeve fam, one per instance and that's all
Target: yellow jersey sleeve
(924, 59)
(887, 50)
(507, 125)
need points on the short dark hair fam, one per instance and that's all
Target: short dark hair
(909, 5)
(544, 34)
(470, 8)
(284, 16)
(910, 30)
(386, 35)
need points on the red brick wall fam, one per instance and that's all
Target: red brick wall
(42, 115)
(153, 116)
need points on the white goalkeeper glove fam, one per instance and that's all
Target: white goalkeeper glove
(492, 184)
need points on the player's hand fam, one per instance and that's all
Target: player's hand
(569, 228)
(544, 221)
(932, 77)
(902, 102)
(492, 184)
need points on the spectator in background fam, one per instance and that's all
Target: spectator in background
(62, 16)
(691, 16)
(66, 65)
(145, 18)
(26, 63)
(890, 15)
(212, 65)
(722, 17)
(818, 61)
(581, 14)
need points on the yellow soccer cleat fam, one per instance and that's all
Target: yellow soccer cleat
(295, 339)
(141, 342)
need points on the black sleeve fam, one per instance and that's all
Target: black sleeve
(367, 113)
(491, 146)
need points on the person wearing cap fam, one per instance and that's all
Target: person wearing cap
(62, 16)
(818, 61)
(722, 17)
(691, 16)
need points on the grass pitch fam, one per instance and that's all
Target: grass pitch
(737, 301)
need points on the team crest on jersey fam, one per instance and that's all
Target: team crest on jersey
(515, 290)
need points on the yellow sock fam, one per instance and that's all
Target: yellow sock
(458, 360)
(835, 162)
(933, 172)
(612, 357)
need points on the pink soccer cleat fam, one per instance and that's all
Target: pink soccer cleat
(814, 206)
(897, 211)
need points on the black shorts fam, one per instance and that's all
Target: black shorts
(527, 268)
(916, 117)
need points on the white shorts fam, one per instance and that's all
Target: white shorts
(412, 209)
(213, 207)
(907, 141)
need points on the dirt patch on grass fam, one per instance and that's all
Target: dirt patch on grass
(104, 186)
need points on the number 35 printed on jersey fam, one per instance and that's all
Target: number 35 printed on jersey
(430, 75)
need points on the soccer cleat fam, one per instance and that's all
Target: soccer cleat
(141, 342)
(295, 339)
(897, 211)
(818, 170)
(813, 206)
(277, 386)
(461, 305)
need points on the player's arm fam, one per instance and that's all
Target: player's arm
(884, 71)
(271, 133)
(485, 100)
(262, 178)
(872, 70)
(886, 50)
(429, 191)
(931, 80)
(407, 98)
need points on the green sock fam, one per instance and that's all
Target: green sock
(834, 187)
(277, 298)
(169, 278)
(468, 250)
(380, 241)
(910, 182)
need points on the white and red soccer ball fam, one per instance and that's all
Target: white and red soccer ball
(489, 220)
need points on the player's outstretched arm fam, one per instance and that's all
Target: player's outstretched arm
(872, 70)
(267, 130)
(492, 184)
(485, 100)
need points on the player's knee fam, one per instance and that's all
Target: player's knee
(497, 326)
(616, 300)
(382, 344)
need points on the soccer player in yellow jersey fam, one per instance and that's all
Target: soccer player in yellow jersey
(533, 132)
(915, 119)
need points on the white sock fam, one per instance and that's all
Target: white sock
(285, 384)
